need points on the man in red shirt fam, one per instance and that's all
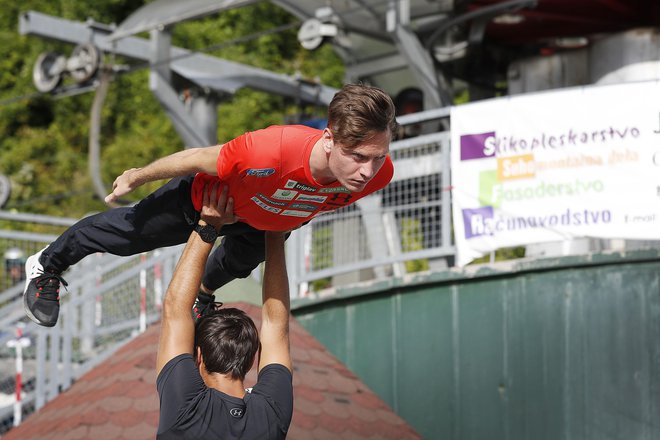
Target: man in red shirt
(279, 179)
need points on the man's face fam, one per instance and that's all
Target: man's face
(355, 167)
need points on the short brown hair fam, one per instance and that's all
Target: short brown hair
(228, 340)
(358, 112)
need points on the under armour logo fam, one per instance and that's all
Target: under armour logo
(236, 412)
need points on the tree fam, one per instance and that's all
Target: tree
(43, 141)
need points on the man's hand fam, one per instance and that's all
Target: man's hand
(122, 185)
(182, 163)
(217, 209)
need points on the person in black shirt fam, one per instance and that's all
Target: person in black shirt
(201, 367)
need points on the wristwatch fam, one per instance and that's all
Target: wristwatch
(206, 232)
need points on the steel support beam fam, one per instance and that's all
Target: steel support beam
(432, 82)
(214, 73)
(195, 131)
(377, 66)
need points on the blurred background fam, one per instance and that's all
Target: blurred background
(547, 339)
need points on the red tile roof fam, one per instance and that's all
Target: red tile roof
(118, 399)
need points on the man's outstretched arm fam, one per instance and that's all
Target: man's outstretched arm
(181, 163)
(275, 310)
(177, 334)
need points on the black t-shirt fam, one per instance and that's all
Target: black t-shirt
(191, 410)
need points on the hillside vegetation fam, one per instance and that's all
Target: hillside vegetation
(44, 141)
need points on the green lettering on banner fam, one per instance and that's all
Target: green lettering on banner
(487, 183)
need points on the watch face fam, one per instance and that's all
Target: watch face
(207, 233)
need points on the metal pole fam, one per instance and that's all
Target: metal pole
(158, 281)
(143, 295)
(42, 370)
(18, 345)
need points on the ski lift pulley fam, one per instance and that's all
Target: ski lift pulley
(50, 67)
(84, 62)
(47, 71)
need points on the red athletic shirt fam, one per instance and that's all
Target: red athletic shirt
(269, 178)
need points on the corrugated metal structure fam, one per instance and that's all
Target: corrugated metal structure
(556, 349)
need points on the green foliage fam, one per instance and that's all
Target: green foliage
(44, 141)
(412, 239)
(462, 97)
(321, 236)
(503, 254)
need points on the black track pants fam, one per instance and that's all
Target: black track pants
(164, 218)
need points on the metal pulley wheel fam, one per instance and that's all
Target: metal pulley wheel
(84, 62)
(314, 32)
(47, 71)
(50, 67)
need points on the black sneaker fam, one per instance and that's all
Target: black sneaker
(205, 305)
(41, 297)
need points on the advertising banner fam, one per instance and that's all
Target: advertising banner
(579, 162)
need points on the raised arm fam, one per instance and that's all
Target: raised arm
(181, 163)
(275, 310)
(177, 334)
